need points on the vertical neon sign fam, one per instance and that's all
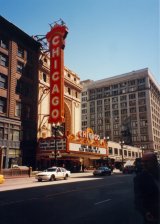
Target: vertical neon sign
(56, 38)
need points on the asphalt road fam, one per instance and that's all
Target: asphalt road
(85, 200)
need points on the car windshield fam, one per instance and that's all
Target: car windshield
(51, 169)
(101, 168)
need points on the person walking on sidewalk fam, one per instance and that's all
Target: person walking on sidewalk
(146, 189)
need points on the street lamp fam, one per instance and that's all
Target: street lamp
(122, 143)
(55, 128)
(142, 148)
(1, 157)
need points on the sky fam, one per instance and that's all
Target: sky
(106, 37)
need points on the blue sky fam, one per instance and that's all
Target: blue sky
(106, 37)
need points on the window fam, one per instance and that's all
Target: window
(124, 111)
(3, 105)
(132, 82)
(44, 77)
(133, 110)
(132, 103)
(99, 102)
(115, 99)
(4, 43)
(3, 60)
(116, 151)
(3, 81)
(15, 135)
(1, 133)
(115, 86)
(125, 152)
(143, 123)
(20, 67)
(114, 93)
(108, 126)
(123, 98)
(132, 96)
(92, 110)
(115, 106)
(132, 89)
(99, 109)
(18, 109)
(110, 151)
(142, 109)
(124, 104)
(142, 80)
(107, 101)
(141, 94)
(69, 91)
(107, 107)
(20, 52)
(129, 153)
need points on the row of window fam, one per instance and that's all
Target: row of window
(21, 67)
(113, 93)
(4, 43)
(22, 87)
(116, 151)
(115, 112)
(19, 108)
(120, 85)
(9, 134)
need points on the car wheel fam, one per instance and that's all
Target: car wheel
(52, 178)
(66, 177)
(39, 180)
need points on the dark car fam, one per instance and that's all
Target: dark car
(128, 169)
(102, 171)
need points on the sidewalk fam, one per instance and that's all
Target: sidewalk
(26, 182)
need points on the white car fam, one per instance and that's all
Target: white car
(53, 173)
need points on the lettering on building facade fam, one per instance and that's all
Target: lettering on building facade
(56, 38)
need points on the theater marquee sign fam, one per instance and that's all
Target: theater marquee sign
(56, 38)
(86, 142)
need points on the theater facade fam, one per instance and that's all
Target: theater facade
(75, 152)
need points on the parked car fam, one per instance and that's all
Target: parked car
(102, 171)
(128, 169)
(53, 173)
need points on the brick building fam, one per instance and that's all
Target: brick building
(19, 55)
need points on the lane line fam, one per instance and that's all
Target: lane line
(58, 193)
(100, 202)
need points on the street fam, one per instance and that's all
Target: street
(81, 199)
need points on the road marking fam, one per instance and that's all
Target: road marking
(60, 193)
(100, 202)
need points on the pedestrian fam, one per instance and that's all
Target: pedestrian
(146, 189)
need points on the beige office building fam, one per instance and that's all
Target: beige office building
(124, 107)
